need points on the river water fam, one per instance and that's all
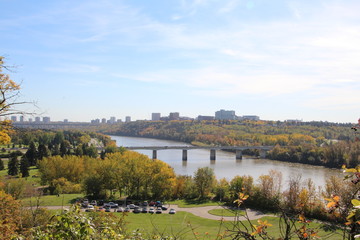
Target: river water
(225, 165)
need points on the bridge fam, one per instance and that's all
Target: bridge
(237, 149)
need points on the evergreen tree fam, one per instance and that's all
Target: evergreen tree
(24, 167)
(13, 165)
(2, 167)
(43, 151)
(31, 154)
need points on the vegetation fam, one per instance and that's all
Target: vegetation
(317, 143)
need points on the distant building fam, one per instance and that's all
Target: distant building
(119, 121)
(155, 116)
(174, 116)
(225, 115)
(46, 119)
(127, 119)
(13, 118)
(37, 119)
(66, 120)
(103, 120)
(21, 118)
(30, 119)
(205, 118)
(250, 117)
(112, 120)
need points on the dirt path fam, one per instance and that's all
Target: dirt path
(201, 212)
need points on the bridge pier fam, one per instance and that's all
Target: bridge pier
(212, 154)
(184, 155)
(154, 154)
(238, 154)
(262, 153)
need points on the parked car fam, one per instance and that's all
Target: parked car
(100, 209)
(107, 209)
(127, 209)
(111, 205)
(144, 210)
(131, 206)
(172, 211)
(151, 210)
(152, 203)
(137, 210)
(120, 209)
(145, 203)
(85, 203)
(90, 208)
(93, 202)
(164, 208)
(158, 210)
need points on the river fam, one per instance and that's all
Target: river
(225, 165)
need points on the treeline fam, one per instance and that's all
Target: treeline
(40, 144)
(317, 143)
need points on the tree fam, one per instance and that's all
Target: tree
(2, 167)
(31, 154)
(9, 216)
(24, 167)
(13, 165)
(204, 181)
(9, 92)
(43, 151)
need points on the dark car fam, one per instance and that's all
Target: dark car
(137, 210)
(158, 210)
(164, 208)
(144, 210)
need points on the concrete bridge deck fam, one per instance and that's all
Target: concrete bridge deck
(237, 149)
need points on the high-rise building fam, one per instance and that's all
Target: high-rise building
(37, 119)
(225, 115)
(103, 120)
(13, 118)
(174, 116)
(46, 119)
(155, 116)
(127, 119)
(112, 120)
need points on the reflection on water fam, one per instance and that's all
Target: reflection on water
(225, 165)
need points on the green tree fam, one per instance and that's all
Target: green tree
(24, 167)
(32, 154)
(13, 165)
(2, 167)
(204, 179)
(43, 151)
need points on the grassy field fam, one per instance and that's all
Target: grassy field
(53, 200)
(195, 203)
(224, 212)
(184, 225)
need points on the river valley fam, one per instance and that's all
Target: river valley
(225, 165)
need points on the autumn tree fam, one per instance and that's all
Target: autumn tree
(9, 216)
(204, 181)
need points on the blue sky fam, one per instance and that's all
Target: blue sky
(277, 59)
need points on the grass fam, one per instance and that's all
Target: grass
(184, 225)
(53, 200)
(224, 212)
(195, 203)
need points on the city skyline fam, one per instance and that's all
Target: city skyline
(275, 59)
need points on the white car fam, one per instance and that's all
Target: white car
(172, 211)
(111, 205)
(90, 208)
(151, 210)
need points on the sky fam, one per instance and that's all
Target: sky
(279, 59)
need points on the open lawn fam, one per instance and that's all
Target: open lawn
(33, 172)
(224, 212)
(53, 200)
(185, 203)
(184, 225)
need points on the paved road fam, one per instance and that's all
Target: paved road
(203, 212)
